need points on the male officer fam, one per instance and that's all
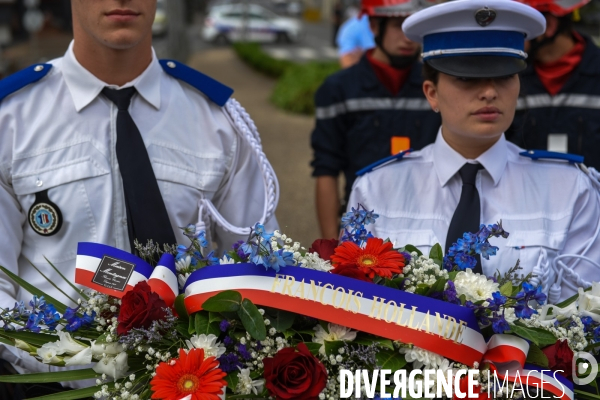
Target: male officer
(560, 89)
(108, 144)
(371, 110)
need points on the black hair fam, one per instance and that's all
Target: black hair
(430, 73)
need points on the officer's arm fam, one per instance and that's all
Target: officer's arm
(328, 143)
(11, 232)
(583, 239)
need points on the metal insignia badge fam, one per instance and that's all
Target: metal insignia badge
(485, 16)
(44, 216)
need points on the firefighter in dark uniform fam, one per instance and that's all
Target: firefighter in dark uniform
(559, 104)
(371, 110)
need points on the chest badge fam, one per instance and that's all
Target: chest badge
(44, 216)
(485, 16)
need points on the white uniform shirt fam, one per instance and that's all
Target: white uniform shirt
(60, 133)
(548, 207)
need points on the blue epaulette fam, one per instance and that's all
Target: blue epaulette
(213, 89)
(19, 80)
(552, 155)
(387, 160)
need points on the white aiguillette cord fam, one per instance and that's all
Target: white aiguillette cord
(246, 128)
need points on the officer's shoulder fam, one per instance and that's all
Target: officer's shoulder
(552, 157)
(390, 160)
(211, 88)
(19, 80)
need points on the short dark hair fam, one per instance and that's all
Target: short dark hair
(430, 73)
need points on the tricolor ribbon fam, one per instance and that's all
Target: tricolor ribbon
(440, 327)
(115, 272)
(506, 356)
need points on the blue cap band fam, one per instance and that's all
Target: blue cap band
(469, 43)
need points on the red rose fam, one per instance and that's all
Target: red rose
(351, 271)
(560, 357)
(139, 307)
(294, 374)
(324, 248)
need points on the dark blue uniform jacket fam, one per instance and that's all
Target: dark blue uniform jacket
(574, 111)
(356, 117)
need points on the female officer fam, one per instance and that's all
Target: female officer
(473, 50)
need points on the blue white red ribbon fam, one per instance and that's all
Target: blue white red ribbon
(163, 280)
(440, 327)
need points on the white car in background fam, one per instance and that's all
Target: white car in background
(226, 23)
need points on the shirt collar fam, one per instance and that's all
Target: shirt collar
(85, 87)
(448, 161)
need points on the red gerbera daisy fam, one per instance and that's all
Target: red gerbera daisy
(191, 374)
(377, 258)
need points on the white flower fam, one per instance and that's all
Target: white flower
(475, 287)
(182, 279)
(209, 343)
(245, 383)
(313, 261)
(423, 358)
(49, 353)
(115, 367)
(110, 349)
(66, 344)
(589, 302)
(84, 357)
(19, 344)
(183, 263)
(226, 260)
(336, 332)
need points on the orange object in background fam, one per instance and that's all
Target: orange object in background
(400, 143)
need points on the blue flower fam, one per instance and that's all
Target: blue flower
(450, 294)
(33, 322)
(224, 325)
(50, 316)
(522, 310)
(499, 324)
(19, 311)
(587, 322)
(241, 348)
(464, 261)
(259, 230)
(597, 334)
(497, 300)
(485, 249)
(229, 362)
(37, 303)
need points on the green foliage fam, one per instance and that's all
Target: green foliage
(538, 336)
(252, 54)
(536, 356)
(295, 90)
(228, 300)
(252, 320)
(297, 83)
(50, 377)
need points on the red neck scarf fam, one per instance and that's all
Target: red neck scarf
(555, 74)
(393, 79)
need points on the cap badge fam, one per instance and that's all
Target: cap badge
(485, 16)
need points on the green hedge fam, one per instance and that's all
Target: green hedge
(296, 84)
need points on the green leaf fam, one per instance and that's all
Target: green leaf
(232, 379)
(538, 336)
(390, 283)
(282, 320)
(74, 394)
(252, 320)
(438, 286)
(202, 325)
(50, 377)
(60, 307)
(436, 253)
(78, 290)
(422, 289)
(36, 339)
(409, 248)
(229, 300)
(389, 359)
(536, 356)
(581, 395)
(369, 340)
(180, 307)
(50, 281)
(192, 326)
(214, 317)
(332, 347)
(313, 347)
(506, 289)
(452, 275)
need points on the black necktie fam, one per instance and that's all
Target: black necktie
(147, 217)
(466, 215)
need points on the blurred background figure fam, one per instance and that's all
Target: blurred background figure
(354, 37)
(559, 106)
(371, 110)
(336, 20)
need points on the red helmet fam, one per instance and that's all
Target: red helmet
(558, 8)
(394, 8)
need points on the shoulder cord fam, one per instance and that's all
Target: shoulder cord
(247, 130)
(593, 174)
(565, 272)
(541, 272)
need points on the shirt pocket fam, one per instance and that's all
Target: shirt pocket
(423, 240)
(535, 250)
(69, 187)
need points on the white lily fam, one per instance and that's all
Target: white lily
(110, 349)
(84, 357)
(67, 345)
(589, 302)
(115, 367)
(49, 353)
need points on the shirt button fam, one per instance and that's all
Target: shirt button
(39, 183)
